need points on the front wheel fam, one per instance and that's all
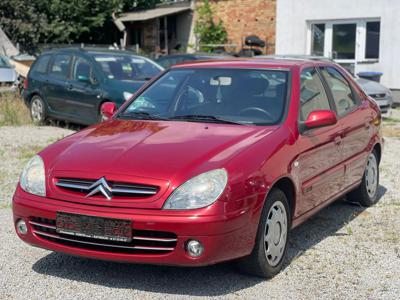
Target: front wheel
(367, 193)
(267, 257)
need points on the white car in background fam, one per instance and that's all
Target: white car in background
(381, 94)
(8, 76)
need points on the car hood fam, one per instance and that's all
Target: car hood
(7, 75)
(153, 149)
(372, 87)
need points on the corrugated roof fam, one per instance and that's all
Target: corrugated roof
(152, 13)
(6, 46)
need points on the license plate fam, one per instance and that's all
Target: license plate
(94, 227)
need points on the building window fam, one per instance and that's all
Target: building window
(372, 40)
(318, 39)
(344, 41)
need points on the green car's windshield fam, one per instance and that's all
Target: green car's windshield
(233, 96)
(127, 67)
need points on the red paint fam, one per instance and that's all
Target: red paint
(320, 118)
(108, 109)
(322, 164)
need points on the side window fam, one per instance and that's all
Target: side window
(312, 93)
(82, 70)
(41, 64)
(60, 66)
(341, 90)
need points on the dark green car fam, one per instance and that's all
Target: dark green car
(72, 84)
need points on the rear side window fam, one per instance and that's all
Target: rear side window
(312, 93)
(60, 66)
(41, 64)
(341, 90)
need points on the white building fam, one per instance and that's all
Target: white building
(362, 34)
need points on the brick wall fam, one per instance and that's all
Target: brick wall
(246, 17)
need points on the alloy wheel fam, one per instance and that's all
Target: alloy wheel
(37, 110)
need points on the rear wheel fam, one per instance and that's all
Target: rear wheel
(367, 193)
(38, 110)
(267, 257)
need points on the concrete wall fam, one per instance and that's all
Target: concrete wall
(292, 28)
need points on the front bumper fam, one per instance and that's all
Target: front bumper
(224, 238)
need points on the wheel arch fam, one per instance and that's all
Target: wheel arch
(287, 186)
(378, 149)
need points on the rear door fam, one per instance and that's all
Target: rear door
(83, 93)
(355, 118)
(57, 92)
(320, 169)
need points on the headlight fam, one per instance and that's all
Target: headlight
(127, 95)
(33, 178)
(200, 191)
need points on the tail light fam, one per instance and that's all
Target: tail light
(26, 83)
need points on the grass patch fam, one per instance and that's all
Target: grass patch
(25, 153)
(13, 111)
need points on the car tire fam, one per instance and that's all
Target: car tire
(367, 193)
(270, 247)
(38, 110)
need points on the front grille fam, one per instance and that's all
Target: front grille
(143, 241)
(378, 96)
(115, 188)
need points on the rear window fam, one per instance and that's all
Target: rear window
(60, 66)
(41, 64)
(254, 97)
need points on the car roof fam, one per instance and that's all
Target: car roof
(279, 63)
(90, 51)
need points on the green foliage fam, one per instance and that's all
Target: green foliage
(29, 22)
(207, 29)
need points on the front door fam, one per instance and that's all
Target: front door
(320, 165)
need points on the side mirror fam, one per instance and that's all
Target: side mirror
(320, 118)
(107, 110)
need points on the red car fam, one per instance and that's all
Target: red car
(209, 162)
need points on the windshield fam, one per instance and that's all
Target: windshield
(127, 67)
(239, 96)
(4, 62)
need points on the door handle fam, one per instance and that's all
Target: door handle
(338, 140)
(70, 87)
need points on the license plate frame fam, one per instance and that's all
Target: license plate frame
(107, 229)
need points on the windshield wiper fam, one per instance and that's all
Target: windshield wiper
(142, 115)
(205, 118)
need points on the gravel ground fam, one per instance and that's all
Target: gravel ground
(344, 252)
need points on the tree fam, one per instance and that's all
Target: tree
(208, 31)
(30, 22)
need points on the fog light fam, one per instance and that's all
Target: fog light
(194, 248)
(21, 227)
